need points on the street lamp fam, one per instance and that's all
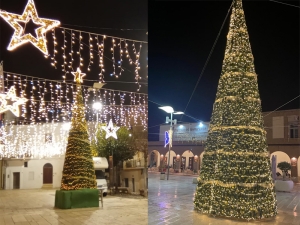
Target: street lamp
(170, 110)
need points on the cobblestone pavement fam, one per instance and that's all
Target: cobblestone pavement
(36, 207)
(171, 202)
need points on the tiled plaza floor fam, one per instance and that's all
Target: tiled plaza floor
(171, 202)
(36, 207)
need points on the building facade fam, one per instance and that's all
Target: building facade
(189, 139)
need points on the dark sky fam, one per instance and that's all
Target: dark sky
(181, 35)
(90, 16)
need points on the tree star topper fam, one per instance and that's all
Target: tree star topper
(11, 95)
(110, 130)
(19, 37)
(78, 76)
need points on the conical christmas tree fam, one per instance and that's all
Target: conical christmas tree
(78, 171)
(235, 178)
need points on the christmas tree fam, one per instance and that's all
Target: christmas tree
(78, 171)
(235, 178)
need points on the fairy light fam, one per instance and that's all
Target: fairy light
(46, 98)
(54, 49)
(101, 62)
(72, 42)
(235, 178)
(121, 58)
(79, 50)
(91, 51)
(64, 55)
(19, 38)
(113, 57)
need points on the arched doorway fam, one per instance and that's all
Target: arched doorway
(47, 174)
(154, 159)
(187, 160)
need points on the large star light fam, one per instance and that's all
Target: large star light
(11, 95)
(19, 38)
(110, 130)
(78, 76)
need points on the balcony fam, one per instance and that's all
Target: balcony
(133, 164)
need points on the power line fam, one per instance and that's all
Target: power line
(211, 51)
(284, 3)
(126, 39)
(105, 28)
(282, 105)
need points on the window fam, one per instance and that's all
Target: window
(126, 182)
(48, 138)
(25, 164)
(99, 174)
(294, 131)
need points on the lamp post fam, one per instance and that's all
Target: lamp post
(170, 110)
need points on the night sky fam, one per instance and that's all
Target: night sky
(109, 17)
(181, 35)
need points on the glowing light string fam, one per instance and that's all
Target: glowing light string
(18, 37)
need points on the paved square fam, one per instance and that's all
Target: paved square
(36, 207)
(171, 202)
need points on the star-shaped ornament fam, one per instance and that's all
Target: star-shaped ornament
(78, 76)
(110, 130)
(11, 96)
(19, 37)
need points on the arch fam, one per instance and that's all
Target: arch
(188, 160)
(172, 155)
(280, 157)
(48, 173)
(154, 159)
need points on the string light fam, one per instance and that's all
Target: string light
(235, 178)
(53, 63)
(64, 56)
(19, 38)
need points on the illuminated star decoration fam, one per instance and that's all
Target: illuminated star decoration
(19, 37)
(110, 130)
(78, 76)
(11, 95)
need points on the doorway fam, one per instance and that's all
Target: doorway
(47, 173)
(133, 186)
(16, 180)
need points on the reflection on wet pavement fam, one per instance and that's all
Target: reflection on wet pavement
(171, 202)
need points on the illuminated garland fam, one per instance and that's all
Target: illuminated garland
(73, 46)
(50, 100)
(19, 38)
(222, 184)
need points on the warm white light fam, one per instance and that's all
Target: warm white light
(110, 130)
(179, 112)
(167, 109)
(67, 126)
(11, 95)
(97, 106)
(19, 37)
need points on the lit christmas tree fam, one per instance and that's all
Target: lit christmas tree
(78, 172)
(235, 178)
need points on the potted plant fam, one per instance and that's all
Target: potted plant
(284, 184)
(284, 167)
